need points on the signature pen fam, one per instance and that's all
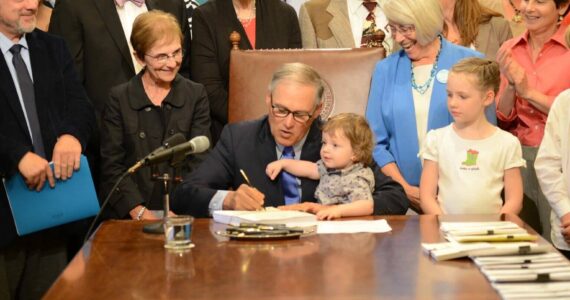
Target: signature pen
(247, 181)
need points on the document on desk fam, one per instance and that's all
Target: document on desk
(451, 250)
(268, 216)
(353, 226)
(533, 290)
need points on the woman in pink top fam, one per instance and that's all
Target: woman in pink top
(533, 72)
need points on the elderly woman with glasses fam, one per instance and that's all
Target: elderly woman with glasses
(142, 113)
(408, 93)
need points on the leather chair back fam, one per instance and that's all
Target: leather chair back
(347, 74)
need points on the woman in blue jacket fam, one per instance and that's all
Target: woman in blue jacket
(408, 93)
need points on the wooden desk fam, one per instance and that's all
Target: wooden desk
(122, 262)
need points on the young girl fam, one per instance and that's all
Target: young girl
(344, 176)
(469, 162)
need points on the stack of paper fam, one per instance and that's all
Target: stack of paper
(483, 239)
(539, 276)
(269, 216)
(543, 268)
(533, 290)
(451, 250)
(468, 232)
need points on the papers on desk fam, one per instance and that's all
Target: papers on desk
(470, 232)
(541, 276)
(451, 250)
(356, 226)
(299, 219)
(535, 290)
(268, 216)
(523, 268)
(483, 239)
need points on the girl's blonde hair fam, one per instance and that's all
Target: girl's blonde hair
(358, 132)
(486, 71)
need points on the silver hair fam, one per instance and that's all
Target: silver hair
(299, 73)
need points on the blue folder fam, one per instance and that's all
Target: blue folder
(70, 200)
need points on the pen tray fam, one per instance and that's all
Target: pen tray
(257, 237)
(253, 232)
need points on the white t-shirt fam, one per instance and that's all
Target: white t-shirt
(471, 171)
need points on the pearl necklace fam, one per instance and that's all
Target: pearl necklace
(425, 86)
(245, 21)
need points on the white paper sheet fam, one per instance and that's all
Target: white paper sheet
(376, 226)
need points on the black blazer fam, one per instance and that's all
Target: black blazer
(62, 105)
(250, 146)
(93, 31)
(132, 128)
(277, 27)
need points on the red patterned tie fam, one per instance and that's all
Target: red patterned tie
(371, 35)
(121, 3)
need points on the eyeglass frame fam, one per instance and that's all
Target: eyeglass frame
(286, 112)
(404, 30)
(163, 58)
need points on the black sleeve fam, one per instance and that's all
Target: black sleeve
(389, 196)
(205, 65)
(11, 153)
(215, 173)
(64, 23)
(295, 40)
(113, 157)
(79, 120)
(186, 43)
(200, 124)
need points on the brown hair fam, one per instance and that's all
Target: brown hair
(152, 27)
(487, 72)
(358, 132)
(468, 15)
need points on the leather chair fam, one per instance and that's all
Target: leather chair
(347, 74)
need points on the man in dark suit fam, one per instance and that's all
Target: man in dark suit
(45, 116)
(96, 32)
(293, 103)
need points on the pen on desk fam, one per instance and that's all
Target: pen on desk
(248, 182)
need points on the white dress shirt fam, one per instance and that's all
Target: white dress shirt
(552, 165)
(128, 14)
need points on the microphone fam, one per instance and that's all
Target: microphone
(198, 144)
(172, 141)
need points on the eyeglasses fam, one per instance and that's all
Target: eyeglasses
(282, 112)
(404, 30)
(163, 58)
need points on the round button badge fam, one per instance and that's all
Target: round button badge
(442, 76)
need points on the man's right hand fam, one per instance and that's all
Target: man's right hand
(35, 170)
(244, 198)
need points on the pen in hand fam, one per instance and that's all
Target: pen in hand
(248, 182)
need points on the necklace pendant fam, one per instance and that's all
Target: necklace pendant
(517, 18)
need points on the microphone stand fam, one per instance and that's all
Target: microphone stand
(168, 182)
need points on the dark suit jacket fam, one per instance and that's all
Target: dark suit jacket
(250, 146)
(276, 27)
(62, 105)
(132, 127)
(93, 31)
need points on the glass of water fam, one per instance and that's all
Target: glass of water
(178, 232)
